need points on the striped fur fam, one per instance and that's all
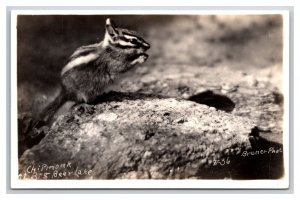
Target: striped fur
(91, 69)
(80, 60)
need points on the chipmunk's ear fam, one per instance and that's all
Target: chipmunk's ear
(110, 28)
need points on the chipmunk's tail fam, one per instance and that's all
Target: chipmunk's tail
(34, 134)
(49, 111)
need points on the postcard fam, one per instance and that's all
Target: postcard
(149, 99)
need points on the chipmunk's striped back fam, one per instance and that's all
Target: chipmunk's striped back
(82, 56)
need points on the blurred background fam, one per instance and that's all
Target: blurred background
(239, 42)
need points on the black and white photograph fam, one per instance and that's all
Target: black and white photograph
(106, 97)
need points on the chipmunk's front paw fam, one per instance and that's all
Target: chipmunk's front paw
(140, 59)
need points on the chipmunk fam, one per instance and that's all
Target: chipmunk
(91, 69)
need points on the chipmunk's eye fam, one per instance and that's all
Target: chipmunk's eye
(134, 41)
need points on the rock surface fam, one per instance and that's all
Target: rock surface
(143, 138)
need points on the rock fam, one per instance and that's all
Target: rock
(111, 117)
(185, 95)
(109, 142)
(226, 88)
(148, 79)
(179, 120)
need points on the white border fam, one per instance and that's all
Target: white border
(180, 11)
(234, 184)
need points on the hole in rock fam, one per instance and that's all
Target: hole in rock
(220, 102)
